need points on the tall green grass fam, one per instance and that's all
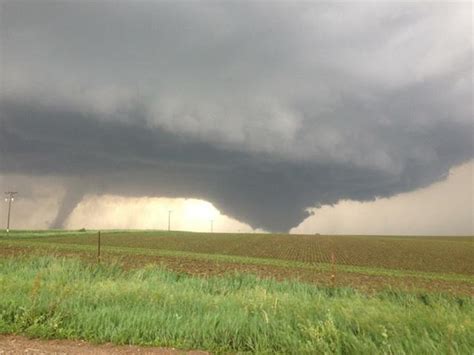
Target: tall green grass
(65, 298)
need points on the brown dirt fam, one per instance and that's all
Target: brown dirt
(206, 268)
(429, 254)
(14, 344)
(362, 282)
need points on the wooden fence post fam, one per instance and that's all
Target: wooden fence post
(333, 269)
(98, 247)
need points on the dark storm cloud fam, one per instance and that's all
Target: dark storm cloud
(263, 109)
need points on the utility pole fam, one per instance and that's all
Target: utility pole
(212, 225)
(10, 198)
(169, 220)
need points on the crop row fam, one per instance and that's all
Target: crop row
(415, 253)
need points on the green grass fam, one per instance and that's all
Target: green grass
(65, 298)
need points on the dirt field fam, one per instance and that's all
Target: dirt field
(368, 263)
(12, 344)
(205, 268)
(428, 254)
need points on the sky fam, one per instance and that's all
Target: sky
(262, 116)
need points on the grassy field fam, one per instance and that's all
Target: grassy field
(58, 297)
(241, 292)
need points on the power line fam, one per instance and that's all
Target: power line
(10, 198)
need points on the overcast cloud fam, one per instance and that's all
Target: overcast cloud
(264, 109)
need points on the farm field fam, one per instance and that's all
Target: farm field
(257, 293)
(365, 262)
